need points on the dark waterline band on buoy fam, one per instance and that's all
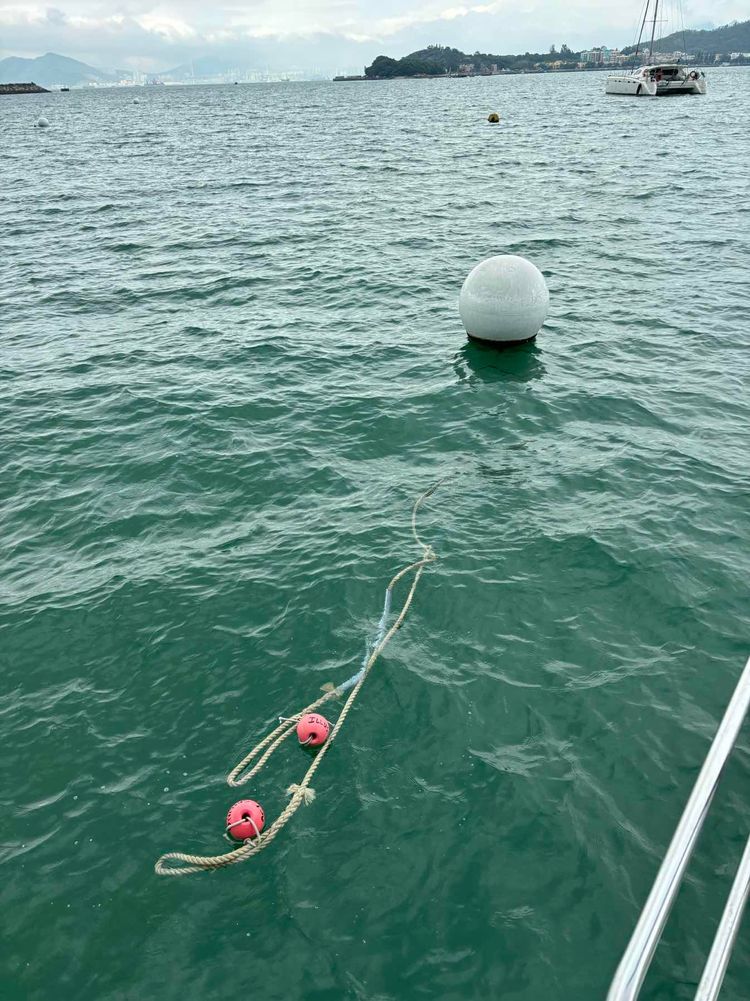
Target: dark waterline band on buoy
(500, 344)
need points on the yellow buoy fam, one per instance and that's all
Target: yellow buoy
(494, 118)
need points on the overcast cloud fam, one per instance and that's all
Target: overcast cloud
(305, 34)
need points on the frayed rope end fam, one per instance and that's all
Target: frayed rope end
(308, 795)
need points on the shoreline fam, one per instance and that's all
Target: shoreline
(532, 72)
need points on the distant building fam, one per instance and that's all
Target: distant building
(595, 55)
(600, 55)
(669, 57)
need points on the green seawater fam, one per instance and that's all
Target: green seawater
(230, 358)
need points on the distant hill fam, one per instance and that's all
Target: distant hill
(729, 38)
(51, 70)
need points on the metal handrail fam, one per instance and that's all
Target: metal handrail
(726, 933)
(637, 957)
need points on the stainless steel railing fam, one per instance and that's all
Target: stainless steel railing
(637, 958)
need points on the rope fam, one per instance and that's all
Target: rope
(303, 793)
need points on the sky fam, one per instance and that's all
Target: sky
(327, 34)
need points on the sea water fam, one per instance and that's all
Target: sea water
(230, 359)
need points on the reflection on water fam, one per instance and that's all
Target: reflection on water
(482, 362)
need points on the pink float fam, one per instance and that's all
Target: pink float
(245, 820)
(313, 730)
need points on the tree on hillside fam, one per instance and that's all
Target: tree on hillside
(382, 66)
(409, 66)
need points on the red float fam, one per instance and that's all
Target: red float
(243, 819)
(313, 730)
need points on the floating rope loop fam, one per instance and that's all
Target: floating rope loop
(183, 864)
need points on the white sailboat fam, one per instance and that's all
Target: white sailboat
(655, 79)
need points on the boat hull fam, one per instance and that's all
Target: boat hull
(631, 86)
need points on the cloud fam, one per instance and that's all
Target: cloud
(169, 29)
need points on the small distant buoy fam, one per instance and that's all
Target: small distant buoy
(245, 820)
(42, 123)
(504, 300)
(313, 730)
(136, 100)
(494, 118)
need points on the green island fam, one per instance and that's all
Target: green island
(439, 60)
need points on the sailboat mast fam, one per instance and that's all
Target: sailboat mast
(640, 33)
(653, 30)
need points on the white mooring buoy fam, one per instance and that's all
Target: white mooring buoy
(42, 122)
(504, 300)
(136, 100)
